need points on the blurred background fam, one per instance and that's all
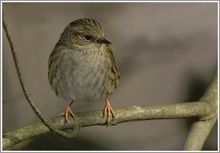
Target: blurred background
(165, 52)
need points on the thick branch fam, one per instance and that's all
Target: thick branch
(198, 134)
(134, 113)
(200, 130)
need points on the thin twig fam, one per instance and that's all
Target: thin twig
(46, 121)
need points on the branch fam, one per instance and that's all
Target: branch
(200, 130)
(46, 121)
(93, 118)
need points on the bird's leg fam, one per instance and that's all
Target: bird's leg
(67, 111)
(108, 109)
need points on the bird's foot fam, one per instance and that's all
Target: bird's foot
(108, 110)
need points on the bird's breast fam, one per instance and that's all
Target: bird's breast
(84, 76)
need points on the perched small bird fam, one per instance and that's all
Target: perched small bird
(82, 67)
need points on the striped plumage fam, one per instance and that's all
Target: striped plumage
(82, 66)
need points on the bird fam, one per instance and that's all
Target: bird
(82, 67)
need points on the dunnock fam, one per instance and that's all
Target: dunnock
(82, 67)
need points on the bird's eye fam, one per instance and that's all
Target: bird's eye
(88, 37)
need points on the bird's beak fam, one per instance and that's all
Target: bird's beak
(103, 40)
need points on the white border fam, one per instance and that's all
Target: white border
(107, 2)
(110, 1)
